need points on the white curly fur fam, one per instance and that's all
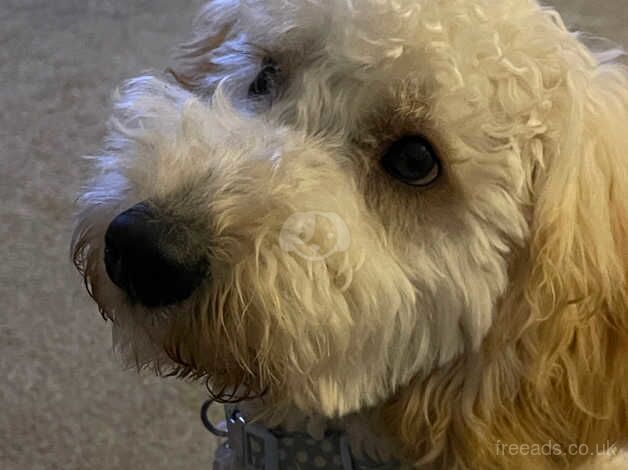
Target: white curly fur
(500, 88)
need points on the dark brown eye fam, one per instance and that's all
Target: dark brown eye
(262, 85)
(412, 160)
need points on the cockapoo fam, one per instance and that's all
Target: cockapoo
(394, 230)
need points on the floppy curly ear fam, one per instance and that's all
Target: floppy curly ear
(194, 63)
(577, 284)
(577, 288)
(579, 247)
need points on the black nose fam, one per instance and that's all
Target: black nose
(142, 257)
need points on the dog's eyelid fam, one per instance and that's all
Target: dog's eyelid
(268, 61)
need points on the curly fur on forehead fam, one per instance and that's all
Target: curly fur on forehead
(486, 308)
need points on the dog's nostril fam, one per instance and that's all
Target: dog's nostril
(139, 258)
(113, 263)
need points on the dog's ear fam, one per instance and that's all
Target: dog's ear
(579, 245)
(577, 289)
(194, 61)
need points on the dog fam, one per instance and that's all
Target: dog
(403, 221)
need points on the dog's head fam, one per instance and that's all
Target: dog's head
(328, 199)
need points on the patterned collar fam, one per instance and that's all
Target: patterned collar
(252, 446)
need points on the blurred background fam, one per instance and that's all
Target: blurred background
(65, 403)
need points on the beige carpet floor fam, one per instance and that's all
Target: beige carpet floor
(64, 402)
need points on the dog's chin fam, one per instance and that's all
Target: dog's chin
(151, 341)
(153, 346)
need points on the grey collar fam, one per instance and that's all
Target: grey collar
(252, 446)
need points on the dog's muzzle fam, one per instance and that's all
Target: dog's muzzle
(142, 258)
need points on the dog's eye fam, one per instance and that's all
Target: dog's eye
(412, 160)
(262, 84)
